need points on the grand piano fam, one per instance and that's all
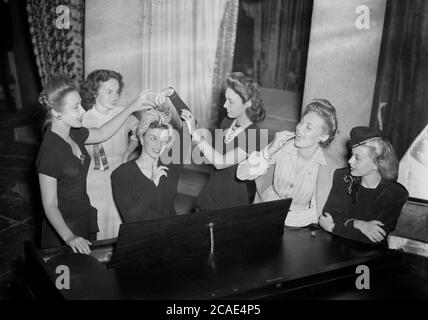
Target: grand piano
(241, 253)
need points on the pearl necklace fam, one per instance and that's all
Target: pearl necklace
(232, 132)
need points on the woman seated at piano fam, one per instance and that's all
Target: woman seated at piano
(63, 162)
(145, 189)
(365, 201)
(296, 165)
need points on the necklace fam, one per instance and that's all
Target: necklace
(233, 131)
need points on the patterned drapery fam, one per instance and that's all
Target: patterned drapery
(57, 49)
(224, 55)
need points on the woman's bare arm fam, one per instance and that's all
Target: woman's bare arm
(48, 189)
(98, 135)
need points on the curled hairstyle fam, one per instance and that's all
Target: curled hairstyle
(89, 87)
(327, 112)
(248, 90)
(153, 119)
(53, 94)
(384, 157)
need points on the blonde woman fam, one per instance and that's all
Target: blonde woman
(296, 165)
(145, 188)
(365, 201)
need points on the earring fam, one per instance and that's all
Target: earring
(56, 114)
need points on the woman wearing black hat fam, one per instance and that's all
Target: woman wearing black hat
(365, 200)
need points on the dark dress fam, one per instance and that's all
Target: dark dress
(138, 198)
(384, 204)
(224, 189)
(56, 159)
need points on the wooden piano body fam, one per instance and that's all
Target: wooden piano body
(295, 263)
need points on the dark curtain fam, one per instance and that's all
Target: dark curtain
(281, 38)
(401, 91)
(224, 57)
(57, 50)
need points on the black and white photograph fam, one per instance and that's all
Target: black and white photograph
(213, 154)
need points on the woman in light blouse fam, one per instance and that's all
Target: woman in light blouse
(296, 165)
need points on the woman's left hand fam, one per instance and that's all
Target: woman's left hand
(188, 117)
(161, 96)
(326, 222)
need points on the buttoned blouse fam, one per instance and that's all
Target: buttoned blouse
(286, 182)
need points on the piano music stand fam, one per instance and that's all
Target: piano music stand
(194, 237)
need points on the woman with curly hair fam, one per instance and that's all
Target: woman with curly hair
(63, 162)
(100, 95)
(365, 201)
(230, 144)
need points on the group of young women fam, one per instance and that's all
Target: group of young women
(92, 180)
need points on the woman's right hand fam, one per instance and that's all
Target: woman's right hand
(281, 138)
(79, 244)
(371, 229)
(158, 172)
(143, 101)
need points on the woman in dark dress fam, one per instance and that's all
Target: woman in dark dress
(145, 189)
(237, 137)
(62, 164)
(365, 200)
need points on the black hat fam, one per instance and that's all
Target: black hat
(360, 135)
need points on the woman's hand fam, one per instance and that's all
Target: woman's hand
(188, 117)
(161, 96)
(158, 172)
(326, 222)
(280, 140)
(143, 101)
(79, 244)
(371, 229)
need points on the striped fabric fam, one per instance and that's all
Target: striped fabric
(100, 158)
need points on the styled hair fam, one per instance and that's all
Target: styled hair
(153, 119)
(384, 157)
(89, 87)
(327, 112)
(248, 90)
(53, 94)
